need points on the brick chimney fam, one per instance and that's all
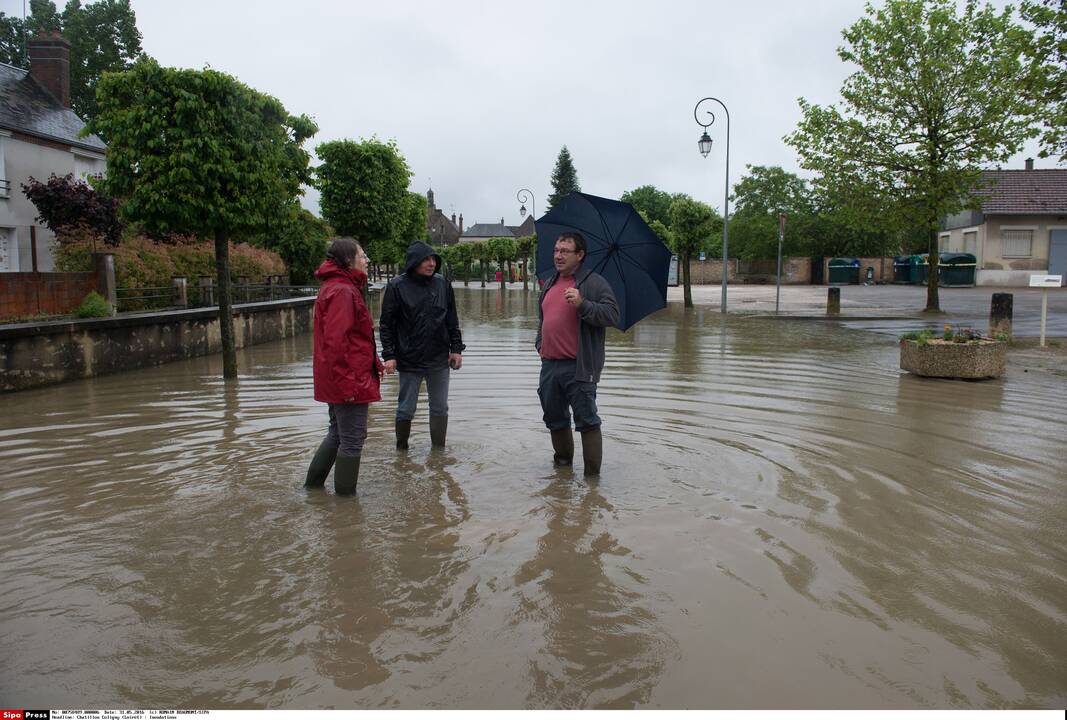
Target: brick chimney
(461, 223)
(50, 64)
(1029, 163)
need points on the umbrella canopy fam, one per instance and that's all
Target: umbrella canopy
(619, 245)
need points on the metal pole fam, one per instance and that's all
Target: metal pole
(726, 193)
(533, 213)
(1044, 311)
(778, 282)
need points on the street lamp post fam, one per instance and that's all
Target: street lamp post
(704, 145)
(523, 196)
(523, 199)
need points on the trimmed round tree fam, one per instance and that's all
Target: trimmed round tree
(197, 151)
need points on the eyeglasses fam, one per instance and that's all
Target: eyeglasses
(564, 251)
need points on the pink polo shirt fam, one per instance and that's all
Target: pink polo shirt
(559, 330)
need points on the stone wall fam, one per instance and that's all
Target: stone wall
(35, 354)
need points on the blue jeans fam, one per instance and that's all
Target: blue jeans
(436, 388)
(560, 393)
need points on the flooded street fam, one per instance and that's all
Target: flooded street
(783, 520)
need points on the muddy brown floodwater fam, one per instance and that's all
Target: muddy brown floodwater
(783, 520)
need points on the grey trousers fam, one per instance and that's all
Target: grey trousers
(348, 428)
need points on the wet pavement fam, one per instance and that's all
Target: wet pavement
(784, 519)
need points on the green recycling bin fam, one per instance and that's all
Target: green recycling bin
(956, 269)
(844, 271)
(921, 269)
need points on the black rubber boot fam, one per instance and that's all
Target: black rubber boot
(563, 447)
(346, 474)
(403, 431)
(321, 464)
(592, 450)
(438, 430)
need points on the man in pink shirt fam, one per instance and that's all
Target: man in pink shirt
(577, 305)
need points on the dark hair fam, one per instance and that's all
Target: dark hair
(343, 251)
(577, 238)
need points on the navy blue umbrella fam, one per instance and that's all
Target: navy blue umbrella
(619, 245)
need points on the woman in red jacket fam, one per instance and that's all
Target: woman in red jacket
(347, 368)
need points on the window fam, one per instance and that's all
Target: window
(970, 242)
(1017, 243)
(943, 242)
(7, 247)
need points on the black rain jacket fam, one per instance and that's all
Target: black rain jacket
(419, 326)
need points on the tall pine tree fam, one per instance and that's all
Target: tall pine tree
(564, 177)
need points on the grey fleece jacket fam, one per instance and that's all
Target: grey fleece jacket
(597, 311)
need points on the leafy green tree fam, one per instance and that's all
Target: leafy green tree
(564, 177)
(196, 151)
(935, 96)
(1047, 53)
(12, 39)
(103, 37)
(759, 197)
(480, 252)
(653, 204)
(503, 250)
(463, 256)
(364, 193)
(44, 17)
(692, 225)
(526, 248)
(301, 241)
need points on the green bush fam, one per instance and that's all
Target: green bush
(93, 306)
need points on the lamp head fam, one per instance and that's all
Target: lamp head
(704, 144)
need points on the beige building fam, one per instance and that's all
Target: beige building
(1020, 230)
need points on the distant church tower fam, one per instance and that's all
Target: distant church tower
(429, 198)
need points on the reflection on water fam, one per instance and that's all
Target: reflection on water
(783, 520)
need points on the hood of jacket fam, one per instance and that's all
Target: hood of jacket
(330, 270)
(417, 252)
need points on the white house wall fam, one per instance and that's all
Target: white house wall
(23, 159)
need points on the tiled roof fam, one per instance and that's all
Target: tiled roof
(487, 230)
(1024, 192)
(27, 107)
(527, 228)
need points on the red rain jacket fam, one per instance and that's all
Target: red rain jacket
(346, 364)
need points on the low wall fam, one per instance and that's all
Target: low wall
(882, 266)
(25, 294)
(795, 271)
(35, 354)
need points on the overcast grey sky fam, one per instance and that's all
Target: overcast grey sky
(480, 96)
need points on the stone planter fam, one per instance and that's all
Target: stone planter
(979, 360)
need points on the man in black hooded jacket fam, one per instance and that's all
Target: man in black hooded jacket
(419, 330)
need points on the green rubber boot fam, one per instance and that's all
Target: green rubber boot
(563, 447)
(403, 431)
(438, 430)
(346, 474)
(592, 450)
(321, 464)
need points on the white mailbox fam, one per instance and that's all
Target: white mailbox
(1045, 281)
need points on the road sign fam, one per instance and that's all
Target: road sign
(1046, 281)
